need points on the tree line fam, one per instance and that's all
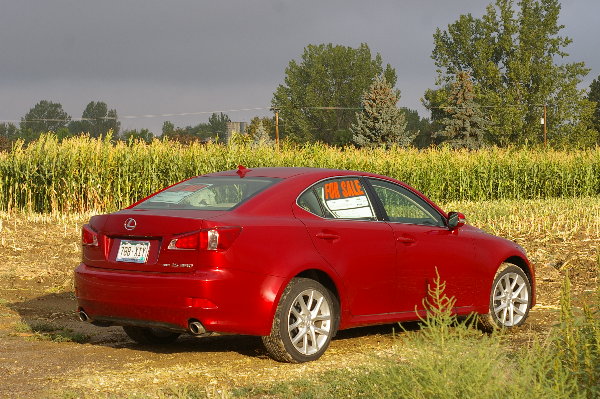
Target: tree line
(498, 82)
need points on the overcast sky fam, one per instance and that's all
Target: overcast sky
(150, 57)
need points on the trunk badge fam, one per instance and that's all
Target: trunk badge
(130, 224)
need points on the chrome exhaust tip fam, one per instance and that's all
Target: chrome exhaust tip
(83, 316)
(196, 328)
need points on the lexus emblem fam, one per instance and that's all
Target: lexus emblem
(130, 224)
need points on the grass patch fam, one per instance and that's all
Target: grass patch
(44, 331)
(450, 359)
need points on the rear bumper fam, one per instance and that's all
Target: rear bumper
(223, 300)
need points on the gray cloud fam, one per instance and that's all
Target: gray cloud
(154, 57)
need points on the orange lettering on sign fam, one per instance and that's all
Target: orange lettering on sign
(351, 188)
(332, 190)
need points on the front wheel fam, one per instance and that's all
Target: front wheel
(304, 322)
(510, 299)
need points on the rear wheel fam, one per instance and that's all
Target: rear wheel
(304, 322)
(510, 298)
(148, 335)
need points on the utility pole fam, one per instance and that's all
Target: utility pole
(545, 127)
(276, 110)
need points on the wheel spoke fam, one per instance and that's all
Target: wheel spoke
(322, 317)
(499, 308)
(518, 290)
(305, 344)
(321, 331)
(295, 324)
(519, 311)
(295, 312)
(313, 338)
(317, 308)
(504, 314)
(309, 303)
(301, 334)
(511, 310)
(303, 305)
(514, 283)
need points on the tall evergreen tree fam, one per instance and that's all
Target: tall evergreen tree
(380, 122)
(464, 123)
(261, 137)
(511, 57)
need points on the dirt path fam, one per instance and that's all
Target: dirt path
(36, 261)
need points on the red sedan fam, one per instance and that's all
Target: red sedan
(292, 255)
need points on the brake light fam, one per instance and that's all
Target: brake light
(185, 242)
(88, 236)
(214, 239)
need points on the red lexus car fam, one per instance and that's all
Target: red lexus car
(292, 255)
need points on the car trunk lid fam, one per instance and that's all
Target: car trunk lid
(138, 240)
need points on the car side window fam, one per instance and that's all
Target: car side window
(310, 203)
(403, 206)
(340, 198)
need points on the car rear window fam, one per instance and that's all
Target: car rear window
(207, 193)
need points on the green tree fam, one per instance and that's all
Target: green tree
(96, 120)
(44, 117)
(168, 128)
(594, 98)
(135, 134)
(326, 76)
(380, 122)
(421, 128)
(218, 124)
(8, 133)
(464, 124)
(511, 57)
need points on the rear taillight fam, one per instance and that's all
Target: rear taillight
(88, 236)
(214, 239)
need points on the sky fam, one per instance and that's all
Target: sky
(152, 57)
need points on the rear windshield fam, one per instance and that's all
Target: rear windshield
(207, 193)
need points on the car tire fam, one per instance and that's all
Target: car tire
(150, 336)
(510, 299)
(305, 321)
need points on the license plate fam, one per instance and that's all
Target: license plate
(133, 251)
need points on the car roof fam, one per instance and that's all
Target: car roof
(286, 172)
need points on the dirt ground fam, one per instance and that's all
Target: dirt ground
(38, 254)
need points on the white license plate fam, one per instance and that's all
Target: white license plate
(133, 251)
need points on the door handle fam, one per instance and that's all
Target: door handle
(327, 236)
(405, 240)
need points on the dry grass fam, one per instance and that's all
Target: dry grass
(41, 250)
(40, 247)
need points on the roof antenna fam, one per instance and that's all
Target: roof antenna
(242, 170)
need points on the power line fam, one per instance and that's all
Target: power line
(195, 113)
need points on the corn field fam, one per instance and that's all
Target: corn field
(82, 174)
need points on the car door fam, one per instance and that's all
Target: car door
(426, 247)
(341, 222)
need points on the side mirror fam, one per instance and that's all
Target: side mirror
(456, 220)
